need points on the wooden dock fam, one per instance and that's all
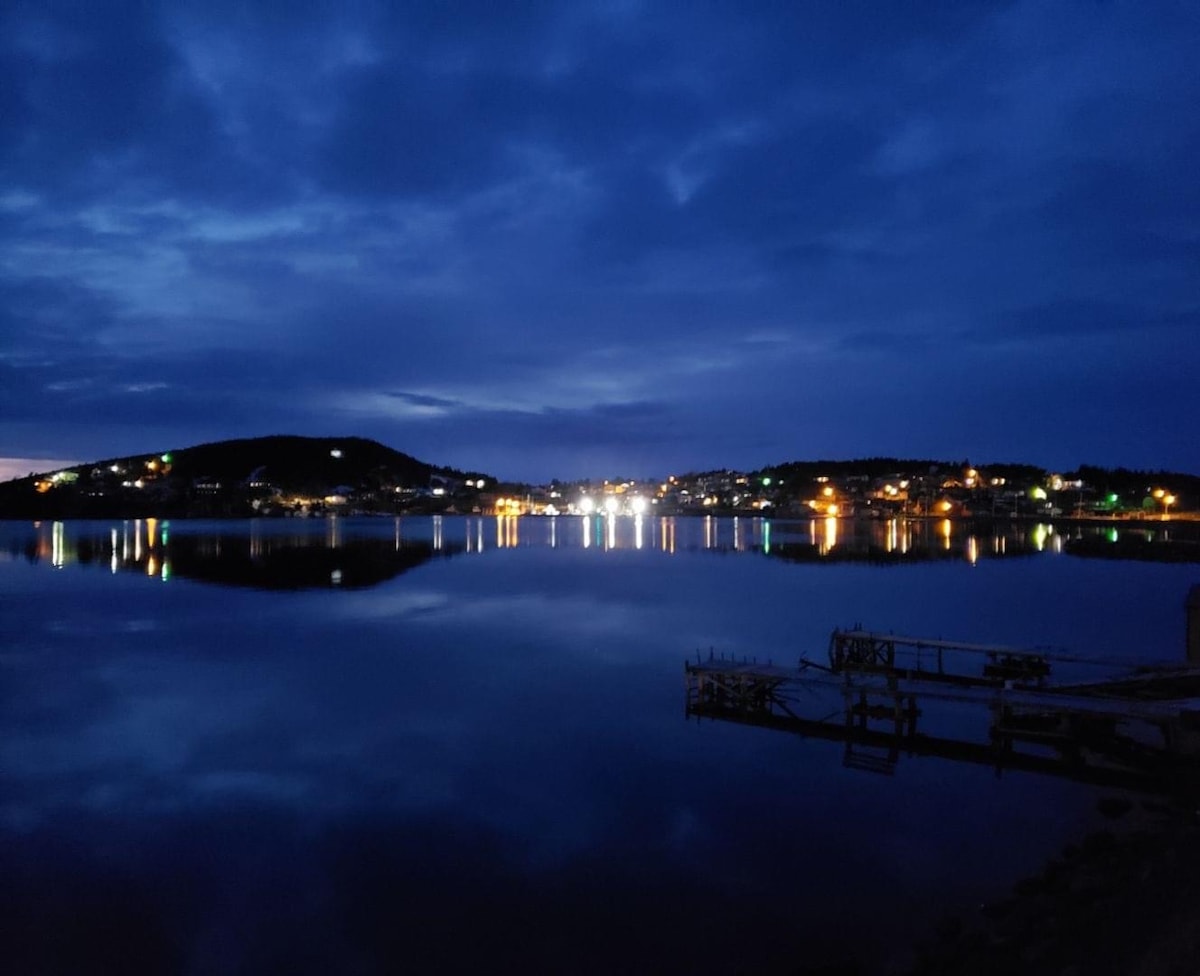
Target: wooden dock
(931, 659)
(1138, 730)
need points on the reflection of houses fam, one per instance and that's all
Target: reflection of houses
(264, 560)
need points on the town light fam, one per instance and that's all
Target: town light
(586, 505)
(611, 505)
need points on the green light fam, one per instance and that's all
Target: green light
(766, 481)
(1112, 499)
(166, 459)
(1038, 494)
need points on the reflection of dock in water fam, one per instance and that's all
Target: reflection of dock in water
(1138, 730)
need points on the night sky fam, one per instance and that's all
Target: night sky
(604, 239)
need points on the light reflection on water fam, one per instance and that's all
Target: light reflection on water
(137, 542)
(412, 742)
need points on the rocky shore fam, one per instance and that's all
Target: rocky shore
(1124, 901)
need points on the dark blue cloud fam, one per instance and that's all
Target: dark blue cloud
(547, 234)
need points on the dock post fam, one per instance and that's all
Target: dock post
(1193, 624)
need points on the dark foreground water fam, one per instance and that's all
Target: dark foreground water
(459, 744)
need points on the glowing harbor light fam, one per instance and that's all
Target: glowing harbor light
(611, 505)
(587, 505)
(638, 505)
(831, 534)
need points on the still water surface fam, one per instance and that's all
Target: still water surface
(450, 744)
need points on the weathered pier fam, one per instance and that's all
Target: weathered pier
(933, 660)
(1138, 730)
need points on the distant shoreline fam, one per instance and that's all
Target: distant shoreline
(1132, 520)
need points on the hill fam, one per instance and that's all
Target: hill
(260, 475)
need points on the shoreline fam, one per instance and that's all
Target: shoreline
(1124, 900)
(1131, 521)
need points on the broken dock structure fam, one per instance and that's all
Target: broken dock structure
(1137, 728)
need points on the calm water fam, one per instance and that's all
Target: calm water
(454, 744)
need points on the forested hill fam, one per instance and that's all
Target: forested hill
(232, 477)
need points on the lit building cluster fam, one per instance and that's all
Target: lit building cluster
(937, 492)
(851, 489)
(298, 485)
